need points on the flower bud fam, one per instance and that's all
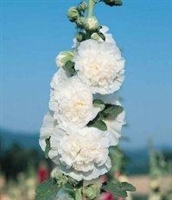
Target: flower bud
(82, 6)
(58, 175)
(80, 22)
(80, 36)
(72, 14)
(91, 192)
(91, 24)
(95, 36)
(98, 36)
(64, 57)
(113, 2)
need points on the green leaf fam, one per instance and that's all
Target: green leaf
(99, 103)
(69, 67)
(111, 111)
(118, 189)
(47, 190)
(98, 123)
(112, 156)
(112, 150)
(115, 189)
(47, 148)
(128, 187)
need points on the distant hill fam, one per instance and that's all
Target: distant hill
(26, 140)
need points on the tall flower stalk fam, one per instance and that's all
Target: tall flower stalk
(83, 125)
(91, 8)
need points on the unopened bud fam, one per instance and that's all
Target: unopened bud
(80, 36)
(98, 36)
(91, 24)
(80, 22)
(91, 191)
(113, 2)
(95, 36)
(64, 57)
(72, 14)
(82, 6)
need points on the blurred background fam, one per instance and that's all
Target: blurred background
(32, 33)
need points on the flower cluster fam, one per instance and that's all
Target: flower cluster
(85, 118)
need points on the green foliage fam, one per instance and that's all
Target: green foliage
(108, 111)
(98, 123)
(16, 159)
(69, 67)
(118, 159)
(99, 103)
(118, 189)
(47, 190)
(111, 111)
(160, 162)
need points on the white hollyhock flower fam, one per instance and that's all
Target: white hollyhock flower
(72, 102)
(82, 153)
(47, 129)
(100, 66)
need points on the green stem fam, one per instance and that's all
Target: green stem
(91, 5)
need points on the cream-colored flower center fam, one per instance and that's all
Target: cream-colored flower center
(99, 76)
(76, 110)
(95, 66)
(83, 154)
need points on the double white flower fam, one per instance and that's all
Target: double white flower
(71, 101)
(100, 66)
(82, 153)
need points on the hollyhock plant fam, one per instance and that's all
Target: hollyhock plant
(82, 128)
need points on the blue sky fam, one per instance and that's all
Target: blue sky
(34, 32)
